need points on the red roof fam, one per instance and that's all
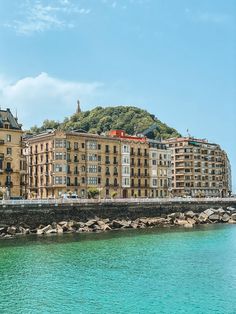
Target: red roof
(121, 134)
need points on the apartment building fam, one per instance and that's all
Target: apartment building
(134, 164)
(115, 164)
(199, 168)
(160, 169)
(61, 162)
(12, 161)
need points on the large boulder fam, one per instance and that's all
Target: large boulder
(203, 217)
(51, 231)
(188, 225)
(85, 229)
(72, 224)
(173, 216)
(232, 221)
(11, 230)
(214, 217)
(134, 225)
(54, 225)
(220, 211)
(91, 222)
(3, 229)
(209, 212)
(59, 229)
(181, 222)
(105, 227)
(191, 221)
(225, 217)
(231, 210)
(120, 224)
(46, 229)
(190, 214)
(23, 230)
(233, 216)
(62, 223)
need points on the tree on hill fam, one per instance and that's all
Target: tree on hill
(98, 120)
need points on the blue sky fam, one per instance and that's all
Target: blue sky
(177, 59)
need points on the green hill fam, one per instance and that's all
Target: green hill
(98, 120)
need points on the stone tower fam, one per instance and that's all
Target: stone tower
(78, 107)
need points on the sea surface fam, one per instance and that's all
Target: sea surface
(135, 271)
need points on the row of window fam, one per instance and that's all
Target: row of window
(90, 181)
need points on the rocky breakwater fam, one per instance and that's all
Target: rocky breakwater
(187, 219)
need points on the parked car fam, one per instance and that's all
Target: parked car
(70, 196)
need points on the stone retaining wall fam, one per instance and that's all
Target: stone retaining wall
(34, 215)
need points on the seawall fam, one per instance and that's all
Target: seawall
(36, 213)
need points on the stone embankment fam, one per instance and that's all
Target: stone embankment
(187, 219)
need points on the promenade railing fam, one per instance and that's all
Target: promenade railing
(68, 201)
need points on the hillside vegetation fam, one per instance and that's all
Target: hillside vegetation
(98, 120)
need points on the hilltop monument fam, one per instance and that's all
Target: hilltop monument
(78, 110)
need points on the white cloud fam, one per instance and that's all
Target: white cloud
(39, 16)
(45, 97)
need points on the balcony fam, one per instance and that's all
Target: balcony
(107, 173)
(9, 170)
(2, 142)
(115, 174)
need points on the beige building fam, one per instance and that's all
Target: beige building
(61, 162)
(12, 161)
(199, 168)
(160, 169)
(116, 164)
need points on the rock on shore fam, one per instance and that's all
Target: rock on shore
(186, 219)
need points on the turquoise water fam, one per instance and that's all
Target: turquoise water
(144, 271)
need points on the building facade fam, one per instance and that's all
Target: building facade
(12, 160)
(199, 168)
(116, 164)
(134, 164)
(160, 169)
(61, 162)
